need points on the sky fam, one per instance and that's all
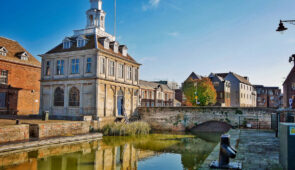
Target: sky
(170, 38)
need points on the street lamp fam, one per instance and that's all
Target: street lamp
(281, 27)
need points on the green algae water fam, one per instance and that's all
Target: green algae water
(150, 152)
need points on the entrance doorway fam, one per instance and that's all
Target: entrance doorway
(120, 103)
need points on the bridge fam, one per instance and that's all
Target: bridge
(210, 118)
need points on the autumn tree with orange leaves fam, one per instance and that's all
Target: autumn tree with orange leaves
(206, 92)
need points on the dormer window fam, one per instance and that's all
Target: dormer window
(3, 51)
(81, 41)
(67, 43)
(123, 49)
(105, 41)
(23, 56)
(115, 46)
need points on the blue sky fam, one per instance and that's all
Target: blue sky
(171, 38)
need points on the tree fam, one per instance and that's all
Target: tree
(206, 92)
(189, 89)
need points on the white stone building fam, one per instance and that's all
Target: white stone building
(89, 73)
(242, 92)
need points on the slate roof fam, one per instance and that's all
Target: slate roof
(14, 49)
(194, 76)
(240, 78)
(92, 42)
(152, 85)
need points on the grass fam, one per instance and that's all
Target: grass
(122, 129)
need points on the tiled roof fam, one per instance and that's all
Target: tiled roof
(151, 85)
(92, 41)
(14, 49)
(241, 79)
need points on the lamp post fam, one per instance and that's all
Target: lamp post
(281, 27)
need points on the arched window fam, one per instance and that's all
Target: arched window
(59, 97)
(74, 97)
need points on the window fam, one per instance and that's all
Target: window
(75, 66)
(221, 95)
(129, 73)
(102, 65)
(3, 76)
(136, 74)
(88, 66)
(142, 94)
(81, 43)
(2, 100)
(60, 67)
(67, 44)
(3, 51)
(120, 70)
(74, 97)
(111, 68)
(216, 84)
(59, 97)
(47, 68)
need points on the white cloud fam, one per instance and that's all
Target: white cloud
(173, 34)
(151, 4)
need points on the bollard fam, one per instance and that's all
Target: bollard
(226, 152)
(45, 116)
(17, 122)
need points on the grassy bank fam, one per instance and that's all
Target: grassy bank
(122, 129)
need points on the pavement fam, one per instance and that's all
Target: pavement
(257, 149)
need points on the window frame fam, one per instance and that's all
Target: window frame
(60, 67)
(61, 102)
(72, 101)
(111, 68)
(4, 76)
(75, 66)
(88, 65)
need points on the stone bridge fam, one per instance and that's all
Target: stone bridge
(182, 118)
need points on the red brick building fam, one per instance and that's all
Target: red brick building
(268, 96)
(19, 79)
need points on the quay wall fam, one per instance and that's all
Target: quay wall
(47, 130)
(13, 133)
(182, 118)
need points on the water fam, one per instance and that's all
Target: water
(155, 151)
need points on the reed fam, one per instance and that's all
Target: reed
(123, 129)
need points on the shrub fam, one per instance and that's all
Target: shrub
(122, 129)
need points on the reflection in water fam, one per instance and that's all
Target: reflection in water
(155, 151)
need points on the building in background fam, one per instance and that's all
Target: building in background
(90, 74)
(155, 94)
(268, 96)
(243, 94)
(171, 84)
(289, 86)
(222, 88)
(179, 95)
(19, 79)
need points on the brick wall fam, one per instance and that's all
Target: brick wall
(180, 118)
(47, 130)
(27, 78)
(14, 133)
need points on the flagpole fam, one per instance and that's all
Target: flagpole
(115, 16)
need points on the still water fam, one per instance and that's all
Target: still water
(151, 152)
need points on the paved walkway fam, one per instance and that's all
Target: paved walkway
(257, 149)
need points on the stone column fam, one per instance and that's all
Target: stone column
(105, 100)
(132, 101)
(51, 99)
(116, 102)
(96, 97)
(66, 99)
(81, 98)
